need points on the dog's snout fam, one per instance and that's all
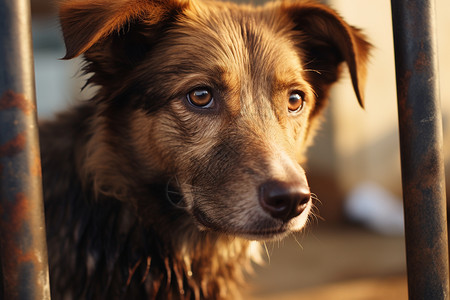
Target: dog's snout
(284, 200)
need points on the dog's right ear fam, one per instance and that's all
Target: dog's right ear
(327, 40)
(87, 22)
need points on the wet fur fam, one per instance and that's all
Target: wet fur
(148, 197)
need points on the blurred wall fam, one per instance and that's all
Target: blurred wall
(365, 144)
(376, 127)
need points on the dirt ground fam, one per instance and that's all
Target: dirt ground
(332, 263)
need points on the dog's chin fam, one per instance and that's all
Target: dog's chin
(267, 235)
(268, 230)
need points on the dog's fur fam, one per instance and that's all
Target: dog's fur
(148, 196)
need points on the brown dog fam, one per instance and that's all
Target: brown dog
(191, 146)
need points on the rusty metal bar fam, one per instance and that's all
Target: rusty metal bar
(421, 143)
(23, 250)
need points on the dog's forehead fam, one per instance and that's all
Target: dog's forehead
(246, 47)
(253, 40)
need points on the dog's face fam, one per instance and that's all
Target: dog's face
(219, 99)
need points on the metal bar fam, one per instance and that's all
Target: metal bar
(23, 250)
(421, 143)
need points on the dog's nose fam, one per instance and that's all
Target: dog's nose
(284, 200)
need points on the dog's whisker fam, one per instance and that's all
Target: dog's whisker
(174, 197)
(298, 243)
(316, 214)
(267, 251)
(312, 70)
(316, 198)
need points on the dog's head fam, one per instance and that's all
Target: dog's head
(218, 99)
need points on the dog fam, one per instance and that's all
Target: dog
(190, 151)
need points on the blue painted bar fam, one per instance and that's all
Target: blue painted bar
(23, 249)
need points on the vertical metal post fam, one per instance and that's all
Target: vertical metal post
(23, 250)
(421, 143)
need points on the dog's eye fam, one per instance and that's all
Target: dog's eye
(200, 97)
(296, 101)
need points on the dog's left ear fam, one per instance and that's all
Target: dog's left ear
(326, 40)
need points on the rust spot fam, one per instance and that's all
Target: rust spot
(404, 85)
(14, 146)
(13, 221)
(11, 99)
(422, 61)
(35, 167)
(17, 210)
(402, 91)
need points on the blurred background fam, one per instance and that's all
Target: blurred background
(355, 248)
